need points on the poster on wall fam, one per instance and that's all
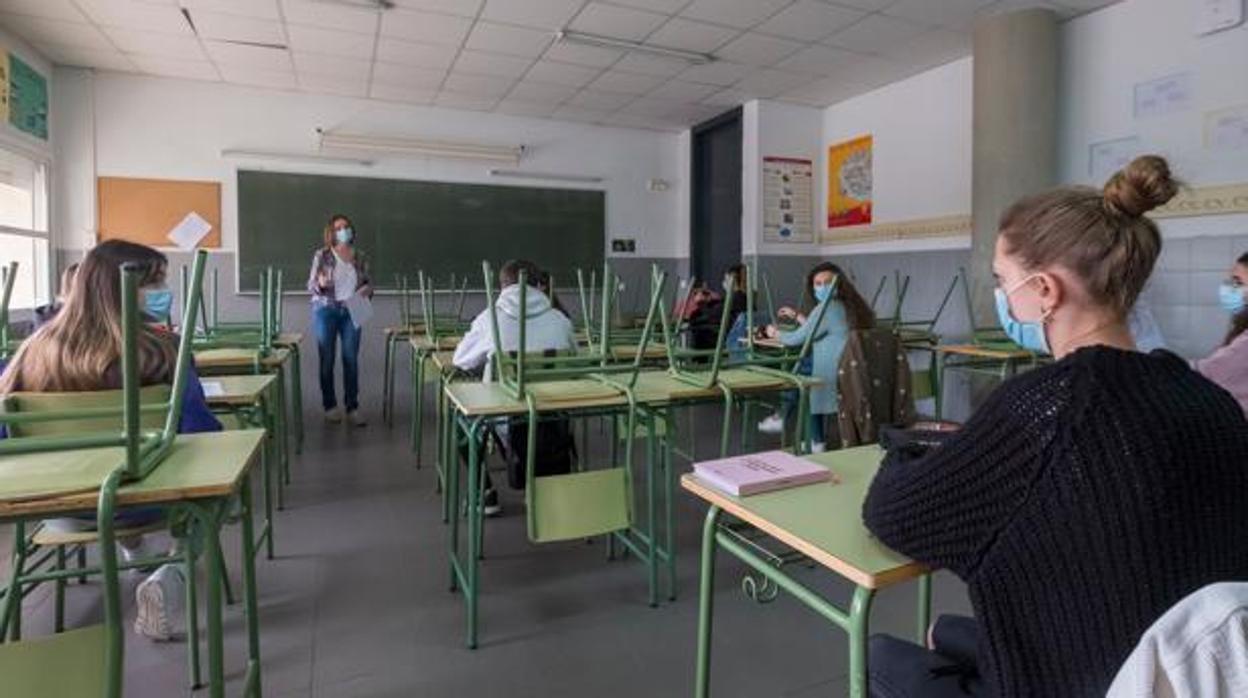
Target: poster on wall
(28, 98)
(1166, 95)
(1227, 129)
(1107, 157)
(849, 183)
(788, 200)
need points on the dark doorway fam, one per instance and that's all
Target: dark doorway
(716, 192)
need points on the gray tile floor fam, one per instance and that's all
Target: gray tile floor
(356, 604)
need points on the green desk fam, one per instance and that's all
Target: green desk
(824, 523)
(202, 475)
(393, 336)
(999, 359)
(252, 400)
(243, 361)
(423, 348)
(291, 342)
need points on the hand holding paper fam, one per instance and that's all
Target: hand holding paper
(360, 308)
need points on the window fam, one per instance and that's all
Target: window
(24, 227)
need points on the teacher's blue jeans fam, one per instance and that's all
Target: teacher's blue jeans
(329, 323)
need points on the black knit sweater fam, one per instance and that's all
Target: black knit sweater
(1079, 503)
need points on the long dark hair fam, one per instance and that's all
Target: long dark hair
(1239, 321)
(859, 313)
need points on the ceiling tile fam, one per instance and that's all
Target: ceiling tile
(691, 36)
(502, 38)
(329, 84)
(561, 74)
(331, 66)
(758, 50)
(687, 92)
(136, 16)
(820, 60)
(574, 113)
(637, 121)
(627, 83)
(63, 10)
(455, 100)
(1005, 6)
(868, 5)
(257, 9)
(540, 92)
(720, 73)
(651, 65)
(728, 98)
(648, 107)
(421, 55)
(617, 22)
(809, 20)
(690, 114)
(425, 27)
(40, 30)
(328, 41)
(946, 13)
(742, 14)
(254, 57)
(604, 101)
(480, 85)
(172, 45)
(875, 34)
(932, 48)
(665, 6)
(398, 93)
(540, 14)
(330, 16)
(591, 56)
(822, 93)
(518, 108)
(463, 8)
(769, 83)
(242, 75)
(407, 76)
(175, 68)
(111, 59)
(218, 25)
(496, 64)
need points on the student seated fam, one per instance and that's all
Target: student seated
(826, 283)
(1084, 498)
(705, 317)
(44, 313)
(546, 329)
(80, 350)
(1228, 366)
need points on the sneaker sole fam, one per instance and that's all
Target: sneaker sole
(152, 620)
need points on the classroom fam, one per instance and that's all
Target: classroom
(595, 348)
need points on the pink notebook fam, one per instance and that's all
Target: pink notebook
(754, 473)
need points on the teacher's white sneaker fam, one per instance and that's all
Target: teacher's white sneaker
(357, 419)
(333, 416)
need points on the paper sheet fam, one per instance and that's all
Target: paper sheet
(361, 309)
(190, 231)
(213, 389)
(1227, 129)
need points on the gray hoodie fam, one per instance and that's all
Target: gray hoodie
(546, 328)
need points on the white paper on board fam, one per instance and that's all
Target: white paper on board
(190, 231)
(1166, 95)
(1107, 157)
(360, 308)
(213, 389)
(1227, 129)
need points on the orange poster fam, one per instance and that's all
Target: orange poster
(849, 183)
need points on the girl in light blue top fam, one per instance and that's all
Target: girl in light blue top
(826, 283)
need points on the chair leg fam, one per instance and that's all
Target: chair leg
(192, 614)
(60, 590)
(225, 584)
(11, 616)
(82, 563)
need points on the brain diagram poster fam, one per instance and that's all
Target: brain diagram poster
(849, 183)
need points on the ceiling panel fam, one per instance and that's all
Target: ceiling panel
(254, 57)
(333, 85)
(664, 6)
(503, 38)
(689, 35)
(728, 98)
(876, 33)
(407, 76)
(172, 45)
(606, 101)
(758, 49)
(330, 16)
(425, 27)
(818, 60)
(495, 64)
(721, 73)
(809, 20)
(398, 93)
(575, 113)
(646, 64)
(540, 92)
(174, 68)
(734, 13)
(414, 54)
(561, 74)
(869, 5)
(136, 16)
(328, 41)
(519, 108)
(64, 10)
(40, 30)
(617, 22)
(331, 66)
(947, 13)
(111, 59)
(589, 56)
(539, 14)
(480, 85)
(769, 83)
(258, 9)
(455, 100)
(686, 92)
(242, 75)
(627, 83)
(463, 8)
(219, 25)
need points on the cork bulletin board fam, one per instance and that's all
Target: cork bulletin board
(145, 210)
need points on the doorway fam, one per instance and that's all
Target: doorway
(716, 196)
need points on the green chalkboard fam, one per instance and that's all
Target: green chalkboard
(406, 225)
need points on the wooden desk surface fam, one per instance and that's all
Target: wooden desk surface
(421, 343)
(443, 360)
(823, 521)
(238, 358)
(198, 466)
(629, 351)
(978, 351)
(238, 391)
(287, 339)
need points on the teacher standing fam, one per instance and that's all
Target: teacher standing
(339, 272)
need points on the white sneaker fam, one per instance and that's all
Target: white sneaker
(160, 599)
(134, 549)
(773, 424)
(357, 419)
(817, 447)
(333, 416)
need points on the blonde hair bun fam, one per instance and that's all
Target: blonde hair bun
(1140, 187)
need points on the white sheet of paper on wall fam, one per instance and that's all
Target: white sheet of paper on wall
(1227, 129)
(1172, 93)
(190, 231)
(1107, 157)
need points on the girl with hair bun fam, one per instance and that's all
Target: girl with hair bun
(1084, 498)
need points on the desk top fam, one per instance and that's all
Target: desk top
(239, 391)
(985, 351)
(443, 360)
(286, 339)
(823, 521)
(421, 342)
(198, 466)
(238, 357)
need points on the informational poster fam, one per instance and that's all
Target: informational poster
(788, 200)
(1107, 157)
(1166, 95)
(849, 183)
(1227, 129)
(28, 98)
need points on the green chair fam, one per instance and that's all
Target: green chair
(8, 276)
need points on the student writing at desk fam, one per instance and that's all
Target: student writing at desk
(80, 350)
(1084, 498)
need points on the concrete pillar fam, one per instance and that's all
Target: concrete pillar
(1014, 121)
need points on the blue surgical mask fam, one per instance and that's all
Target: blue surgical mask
(1231, 298)
(1028, 335)
(823, 292)
(344, 235)
(157, 302)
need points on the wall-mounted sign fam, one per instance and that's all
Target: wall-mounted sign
(27, 98)
(788, 199)
(849, 183)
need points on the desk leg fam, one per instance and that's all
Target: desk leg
(706, 608)
(413, 434)
(387, 381)
(296, 395)
(475, 522)
(252, 681)
(859, 617)
(652, 531)
(210, 529)
(925, 609)
(726, 431)
(418, 408)
(268, 459)
(938, 385)
(450, 495)
(669, 527)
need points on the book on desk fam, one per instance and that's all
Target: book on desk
(755, 473)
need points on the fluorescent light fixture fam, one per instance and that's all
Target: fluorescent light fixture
(422, 147)
(243, 154)
(599, 41)
(522, 174)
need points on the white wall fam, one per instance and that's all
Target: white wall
(774, 129)
(155, 127)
